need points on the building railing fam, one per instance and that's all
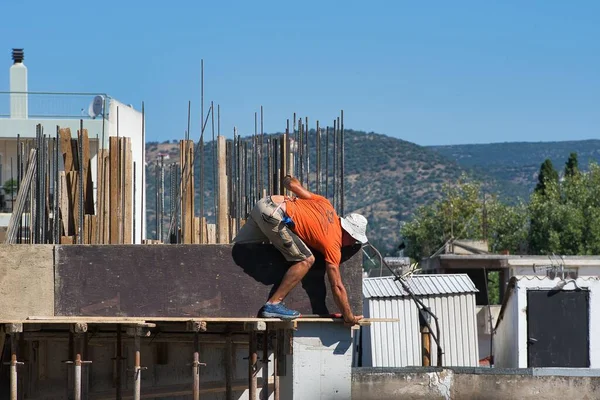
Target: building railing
(54, 105)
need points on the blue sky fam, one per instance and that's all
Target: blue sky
(427, 72)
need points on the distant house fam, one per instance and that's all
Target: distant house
(547, 322)
(398, 344)
(21, 111)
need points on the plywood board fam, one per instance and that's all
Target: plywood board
(188, 281)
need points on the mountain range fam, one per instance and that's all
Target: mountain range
(387, 178)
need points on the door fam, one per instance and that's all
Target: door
(558, 328)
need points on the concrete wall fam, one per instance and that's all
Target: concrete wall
(472, 383)
(320, 364)
(26, 281)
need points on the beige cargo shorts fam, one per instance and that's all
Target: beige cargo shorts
(265, 224)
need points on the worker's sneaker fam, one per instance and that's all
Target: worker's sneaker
(278, 310)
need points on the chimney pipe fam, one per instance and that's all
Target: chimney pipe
(18, 86)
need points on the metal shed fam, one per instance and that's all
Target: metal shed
(451, 297)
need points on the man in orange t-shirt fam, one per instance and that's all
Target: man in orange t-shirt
(293, 224)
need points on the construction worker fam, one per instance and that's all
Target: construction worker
(292, 224)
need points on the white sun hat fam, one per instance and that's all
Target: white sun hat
(356, 226)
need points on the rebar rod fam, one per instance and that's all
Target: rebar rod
(306, 151)
(342, 164)
(214, 162)
(143, 170)
(318, 155)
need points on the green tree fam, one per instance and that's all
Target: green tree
(10, 187)
(572, 165)
(566, 218)
(466, 212)
(546, 175)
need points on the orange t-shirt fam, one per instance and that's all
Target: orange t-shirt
(318, 225)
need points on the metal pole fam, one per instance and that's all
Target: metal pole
(56, 190)
(265, 363)
(137, 378)
(252, 359)
(80, 158)
(327, 162)
(307, 166)
(119, 365)
(260, 152)
(342, 165)
(77, 378)
(134, 201)
(143, 186)
(196, 369)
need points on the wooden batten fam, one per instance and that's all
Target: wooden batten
(211, 233)
(115, 192)
(102, 193)
(196, 230)
(66, 148)
(222, 195)
(63, 204)
(232, 229)
(105, 216)
(128, 191)
(67, 239)
(88, 195)
(72, 180)
(186, 149)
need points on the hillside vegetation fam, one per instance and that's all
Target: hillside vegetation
(514, 166)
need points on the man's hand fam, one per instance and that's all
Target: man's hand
(353, 320)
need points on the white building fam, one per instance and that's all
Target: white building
(22, 110)
(548, 322)
(451, 297)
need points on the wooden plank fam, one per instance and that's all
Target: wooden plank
(128, 193)
(101, 194)
(72, 179)
(232, 230)
(189, 281)
(204, 229)
(106, 212)
(65, 211)
(115, 193)
(88, 195)
(247, 321)
(66, 148)
(222, 192)
(211, 233)
(197, 228)
(186, 149)
(67, 239)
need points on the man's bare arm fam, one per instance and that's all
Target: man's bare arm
(340, 295)
(292, 184)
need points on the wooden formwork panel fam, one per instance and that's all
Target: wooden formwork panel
(188, 280)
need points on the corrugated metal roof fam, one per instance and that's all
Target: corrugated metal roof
(421, 285)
